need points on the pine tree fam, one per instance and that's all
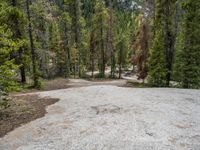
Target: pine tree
(66, 22)
(8, 68)
(57, 49)
(17, 22)
(163, 25)
(170, 36)
(157, 62)
(110, 39)
(41, 19)
(188, 55)
(122, 40)
(92, 52)
(100, 25)
(33, 53)
(76, 22)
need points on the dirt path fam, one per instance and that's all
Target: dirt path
(106, 117)
(61, 83)
(85, 83)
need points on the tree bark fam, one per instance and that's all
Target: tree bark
(170, 41)
(33, 54)
(77, 33)
(120, 60)
(110, 39)
(102, 50)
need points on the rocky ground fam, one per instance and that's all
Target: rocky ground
(103, 116)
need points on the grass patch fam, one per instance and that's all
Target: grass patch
(138, 84)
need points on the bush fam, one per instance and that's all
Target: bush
(4, 100)
(85, 76)
(113, 77)
(39, 84)
(99, 75)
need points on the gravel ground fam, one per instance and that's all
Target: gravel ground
(106, 117)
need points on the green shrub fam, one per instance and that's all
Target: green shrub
(39, 84)
(99, 75)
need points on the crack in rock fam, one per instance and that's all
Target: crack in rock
(106, 109)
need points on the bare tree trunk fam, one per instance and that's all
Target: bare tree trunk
(77, 33)
(110, 40)
(67, 53)
(22, 67)
(93, 68)
(120, 61)
(74, 70)
(102, 52)
(92, 51)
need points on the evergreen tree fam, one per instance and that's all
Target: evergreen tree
(157, 62)
(188, 55)
(170, 36)
(100, 25)
(110, 39)
(122, 40)
(92, 52)
(32, 46)
(76, 26)
(16, 22)
(8, 68)
(163, 25)
(66, 22)
(42, 18)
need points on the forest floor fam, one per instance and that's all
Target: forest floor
(108, 115)
(62, 83)
(23, 109)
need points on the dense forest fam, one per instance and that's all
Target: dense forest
(159, 40)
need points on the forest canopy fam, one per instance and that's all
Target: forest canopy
(158, 41)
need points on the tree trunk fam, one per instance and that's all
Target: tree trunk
(22, 68)
(92, 60)
(120, 60)
(170, 42)
(66, 45)
(66, 49)
(77, 33)
(74, 70)
(33, 55)
(92, 68)
(110, 39)
(102, 52)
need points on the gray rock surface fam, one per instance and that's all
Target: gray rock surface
(106, 117)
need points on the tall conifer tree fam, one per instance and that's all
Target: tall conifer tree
(188, 55)
(162, 51)
(157, 62)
